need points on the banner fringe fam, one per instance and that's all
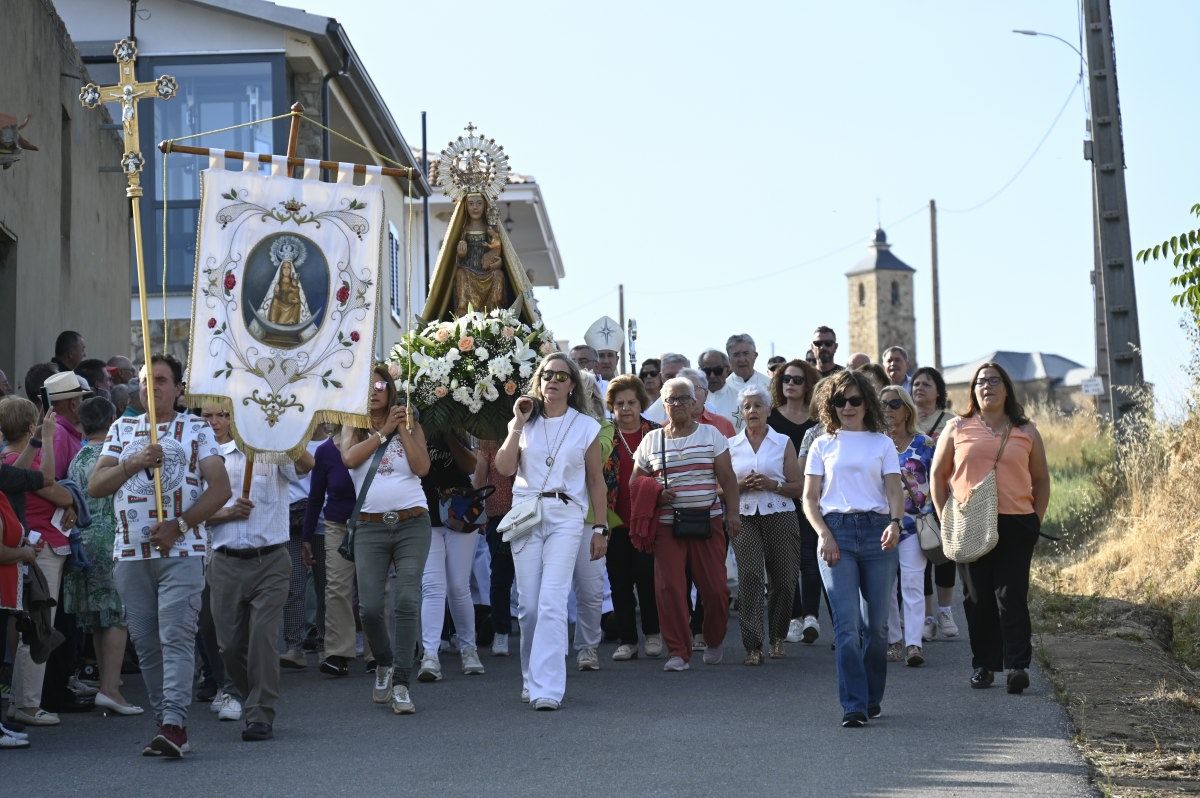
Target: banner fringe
(276, 458)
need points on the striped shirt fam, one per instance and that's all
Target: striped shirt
(689, 467)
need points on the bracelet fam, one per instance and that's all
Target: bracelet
(35, 443)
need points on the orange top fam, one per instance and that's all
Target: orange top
(975, 450)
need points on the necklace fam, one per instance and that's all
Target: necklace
(625, 443)
(560, 437)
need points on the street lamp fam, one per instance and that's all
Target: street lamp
(1087, 135)
(1052, 36)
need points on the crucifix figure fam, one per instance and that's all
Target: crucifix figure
(128, 92)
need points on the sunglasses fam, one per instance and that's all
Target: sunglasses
(894, 404)
(714, 371)
(557, 376)
(824, 344)
(379, 385)
(992, 381)
(841, 401)
(645, 375)
(792, 379)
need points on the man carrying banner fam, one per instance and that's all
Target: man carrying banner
(160, 562)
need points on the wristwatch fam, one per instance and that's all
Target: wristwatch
(183, 526)
(601, 529)
(896, 521)
(36, 443)
(382, 438)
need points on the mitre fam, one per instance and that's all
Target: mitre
(605, 334)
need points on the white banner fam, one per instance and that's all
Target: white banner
(284, 305)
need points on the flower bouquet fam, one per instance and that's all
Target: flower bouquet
(466, 373)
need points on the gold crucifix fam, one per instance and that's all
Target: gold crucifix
(128, 92)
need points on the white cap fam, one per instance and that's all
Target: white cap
(605, 335)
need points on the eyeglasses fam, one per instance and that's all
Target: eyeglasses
(841, 401)
(824, 344)
(992, 381)
(894, 404)
(379, 385)
(713, 371)
(675, 401)
(792, 379)
(556, 375)
(646, 375)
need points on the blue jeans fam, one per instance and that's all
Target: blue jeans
(866, 569)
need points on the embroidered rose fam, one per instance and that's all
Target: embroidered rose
(230, 281)
(211, 323)
(343, 294)
(510, 388)
(466, 343)
(354, 336)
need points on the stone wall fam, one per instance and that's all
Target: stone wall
(876, 321)
(64, 224)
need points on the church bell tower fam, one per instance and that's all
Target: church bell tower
(881, 302)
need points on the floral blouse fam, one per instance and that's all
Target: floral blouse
(915, 462)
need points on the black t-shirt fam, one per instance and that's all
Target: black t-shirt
(444, 476)
(780, 423)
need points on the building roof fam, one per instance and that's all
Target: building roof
(879, 257)
(1023, 367)
(334, 44)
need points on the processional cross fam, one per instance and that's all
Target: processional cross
(128, 91)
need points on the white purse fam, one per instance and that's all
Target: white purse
(521, 519)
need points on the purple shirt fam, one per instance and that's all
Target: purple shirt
(331, 488)
(67, 443)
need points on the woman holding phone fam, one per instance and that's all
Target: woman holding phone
(553, 449)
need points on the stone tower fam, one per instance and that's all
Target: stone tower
(881, 303)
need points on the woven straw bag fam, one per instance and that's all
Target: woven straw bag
(969, 527)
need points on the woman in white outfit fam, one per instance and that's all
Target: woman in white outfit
(590, 573)
(556, 458)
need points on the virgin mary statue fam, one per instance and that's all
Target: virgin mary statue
(477, 266)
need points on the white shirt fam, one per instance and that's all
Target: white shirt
(853, 465)
(298, 488)
(768, 461)
(186, 441)
(725, 403)
(735, 385)
(566, 439)
(268, 523)
(394, 487)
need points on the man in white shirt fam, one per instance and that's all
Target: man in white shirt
(670, 365)
(895, 363)
(722, 396)
(249, 574)
(742, 356)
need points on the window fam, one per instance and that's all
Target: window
(862, 294)
(396, 270)
(895, 293)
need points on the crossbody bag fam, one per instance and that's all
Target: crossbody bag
(347, 547)
(970, 527)
(526, 514)
(929, 532)
(686, 522)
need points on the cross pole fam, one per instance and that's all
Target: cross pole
(128, 91)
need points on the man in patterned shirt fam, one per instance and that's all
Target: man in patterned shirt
(160, 561)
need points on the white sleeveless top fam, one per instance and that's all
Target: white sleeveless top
(395, 486)
(567, 438)
(768, 461)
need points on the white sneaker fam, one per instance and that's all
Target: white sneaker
(500, 646)
(80, 689)
(811, 629)
(676, 664)
(11, 741)
(471, 665)
(232, 709)
(654, 646)
(929, 630)
(525, 695)
(714, 655)
(431, 669)
(946, 624)
(11, 733)
(588, 659)
(545, 705)
(218, 702)
(795, 629)
(625, 652)
(402, 703)
(383, 684)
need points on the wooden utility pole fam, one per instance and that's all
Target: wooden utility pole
(933, 279)
(1118, 340)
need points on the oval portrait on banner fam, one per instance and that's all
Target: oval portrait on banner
(285, 288)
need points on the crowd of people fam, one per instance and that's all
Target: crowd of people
(641, 507)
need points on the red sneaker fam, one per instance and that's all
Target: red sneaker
(171, 741)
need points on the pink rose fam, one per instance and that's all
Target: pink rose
(442, 335)
(508, 332)
(394, 370)
(440, 391)
(466, 343)
(546, 348)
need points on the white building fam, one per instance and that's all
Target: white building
(237, 61)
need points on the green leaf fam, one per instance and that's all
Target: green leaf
(1174, 244)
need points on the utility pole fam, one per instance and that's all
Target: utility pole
(1118, 341)
(933, 279)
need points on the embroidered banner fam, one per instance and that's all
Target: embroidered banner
(283, 309)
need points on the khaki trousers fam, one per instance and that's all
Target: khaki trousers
(247, 598)
(27, 675)
(340, 631)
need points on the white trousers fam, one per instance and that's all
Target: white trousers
(589, 592)
(912, 589)
(447, 579)
(545, 563)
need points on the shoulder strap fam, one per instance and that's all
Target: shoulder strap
(1003, 443)
(362, 494)
(662, 437)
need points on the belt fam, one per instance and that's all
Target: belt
(392, 517)
(249, 554)
(556, 494)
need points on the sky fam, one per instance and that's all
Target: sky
(728, 162)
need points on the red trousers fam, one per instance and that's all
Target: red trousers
(706, 558)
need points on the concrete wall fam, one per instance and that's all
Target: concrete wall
(64, 224)
(876, 322)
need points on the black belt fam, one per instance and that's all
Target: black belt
(556, 494)
(250, 554)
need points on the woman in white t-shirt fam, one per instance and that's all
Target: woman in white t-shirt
(555, 455)
(393, 528)
(854, 500)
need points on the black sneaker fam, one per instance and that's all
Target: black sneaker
(335, 666)
(256, 732)
(982, 678)
(370, 666)
(874, 712)
(854, 720)
(1018, 680)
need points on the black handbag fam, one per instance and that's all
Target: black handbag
(346, 550)
(689, 523)
(465, 508)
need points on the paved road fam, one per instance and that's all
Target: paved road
(628, 729)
